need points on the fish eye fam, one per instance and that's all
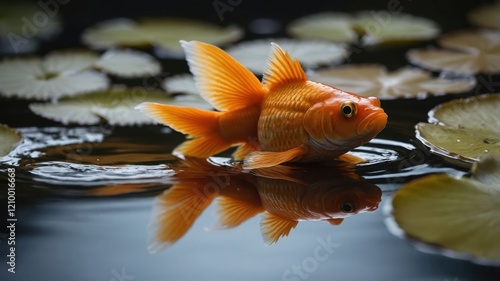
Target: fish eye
(347, 207)
(348, 109)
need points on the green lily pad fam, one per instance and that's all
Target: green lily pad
(460, 215)
(466, 52)
(254, 54)
(116, 106)
(372, 27)
(463, 129)
(381, 27)
(375, 80)
(67, 73)
(161, 32)
(182, 83)
(128, 63)
(337, 27)
(9, 140)
(486, 15)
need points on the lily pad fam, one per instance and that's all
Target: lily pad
(253, 54)
(182, 83)
(375, 80)
(67, 73)
(487, 15)
(337, 27)
(458, 216)
(463, 129)
(162, 32)
(9, 140)
(381, 27)
(466, 52)
(19, 31)
(128, 63)
(116, 106)
(54, 77)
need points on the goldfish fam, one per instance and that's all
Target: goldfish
(284, 118)
(284, 195)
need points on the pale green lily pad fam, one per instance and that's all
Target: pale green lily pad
(9, 140)
(161, 32)
(254, 54)
(487, 15)
(67, 73)
(21, 26)
(375, 80)
(372, 27)
(116, 106)
(182, 83)
(53, 77)
(382, 27)
(467, 52)
(128, 63)
(463, 129)
(332, 26)
(460, 216)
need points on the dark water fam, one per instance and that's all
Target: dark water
(86, 195)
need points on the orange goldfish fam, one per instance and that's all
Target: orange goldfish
(286, 118)
(284, 195)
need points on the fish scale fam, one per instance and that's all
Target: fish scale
(281, 121)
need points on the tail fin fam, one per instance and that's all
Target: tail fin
(201, 126)
(175, 211)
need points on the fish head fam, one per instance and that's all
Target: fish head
(341, 197)
(344, 121)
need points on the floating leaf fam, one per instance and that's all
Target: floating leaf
(9, 139)
(182, 83)
(51, 78)
(373, 27)
(375, 80)
(21, 26)
(253, 54)
(456, 214)
(463, 129)
(128, 63)
(67, 73)
(467, 52)
(162, 32)
(116, 106)
(486, 15)
(337, 27)
(381, 27)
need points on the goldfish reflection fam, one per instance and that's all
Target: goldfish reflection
(284, 195)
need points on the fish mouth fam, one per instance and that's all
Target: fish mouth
(374, 122)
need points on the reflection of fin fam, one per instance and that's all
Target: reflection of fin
(281, 69)
(274, 227)
(243, 150)
(335, 221)
(351, 158)
(262, 159)
(175, 211)
(280, 172)
(234, 212)
(118, 189)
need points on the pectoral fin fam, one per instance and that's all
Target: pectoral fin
(234, 212)
(274, 227)
(335, 221)
(262, 159)
(350, 158)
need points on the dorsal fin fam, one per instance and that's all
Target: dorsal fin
(234, 212)
(280, 68)
(221, 80)
(274, 227)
